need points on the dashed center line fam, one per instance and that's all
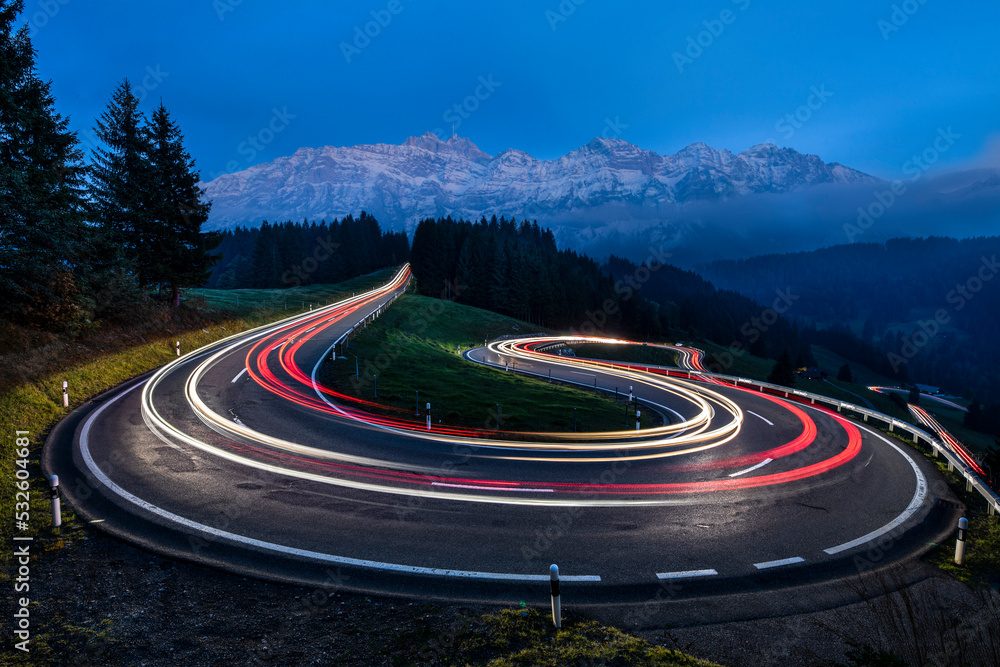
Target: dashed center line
(752, 468)
(685, 574)
(778, 563)
(239, 375)
(771, 423)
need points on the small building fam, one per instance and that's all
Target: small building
(811, 373)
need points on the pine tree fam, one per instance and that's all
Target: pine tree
(120, 183)
(174, 250)
(782, 373)
(914, 397)
(844, 374)
(42, 230)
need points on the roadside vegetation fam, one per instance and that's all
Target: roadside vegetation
(35, 366)
(526, 637)
(413, 347)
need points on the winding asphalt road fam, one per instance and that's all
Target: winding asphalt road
(236, 456)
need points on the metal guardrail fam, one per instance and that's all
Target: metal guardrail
(973, 482)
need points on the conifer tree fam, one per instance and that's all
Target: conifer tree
(174, 250)
(42, 230)
(120, 183)
(782, 372)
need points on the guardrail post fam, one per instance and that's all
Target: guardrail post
(951, 465)
(969, 486)
(963, 525)
(554, 590)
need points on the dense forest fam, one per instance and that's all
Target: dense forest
(84, 242)
(515, 268)
(929, 307)
(291, 254)
(691, 304)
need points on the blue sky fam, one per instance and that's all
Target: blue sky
(871, 82)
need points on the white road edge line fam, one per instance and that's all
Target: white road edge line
(918, 499)
(752, 468)
(686, 573)
(239, 375)
(758, 416)
(778, 563)
(260, 544)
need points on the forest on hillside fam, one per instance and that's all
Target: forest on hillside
(930, 306)
(516, 269)
(291, 254)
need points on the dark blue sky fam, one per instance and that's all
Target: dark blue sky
(560, 71)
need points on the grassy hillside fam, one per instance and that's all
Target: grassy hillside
(36, 364)
(413, 347)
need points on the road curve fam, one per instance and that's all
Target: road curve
(236, 456)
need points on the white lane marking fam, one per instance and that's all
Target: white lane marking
(490, 488)
(779, 563)
(752, 468)
(686, 573)
(239, 375)
(771, 423)
(260, 544)
(915, 502)
(579, 373)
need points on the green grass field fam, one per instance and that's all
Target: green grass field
(413, 347)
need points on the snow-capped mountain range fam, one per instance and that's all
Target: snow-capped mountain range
(427, 177)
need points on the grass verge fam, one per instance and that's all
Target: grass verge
(413, 347)
(514, 637)
(35, 404)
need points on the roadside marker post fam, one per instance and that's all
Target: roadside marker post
(638, 413)
(177, 344)
(554, 590)
(65, 394)
(963, 525)
(428, 416)
(56, 509)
